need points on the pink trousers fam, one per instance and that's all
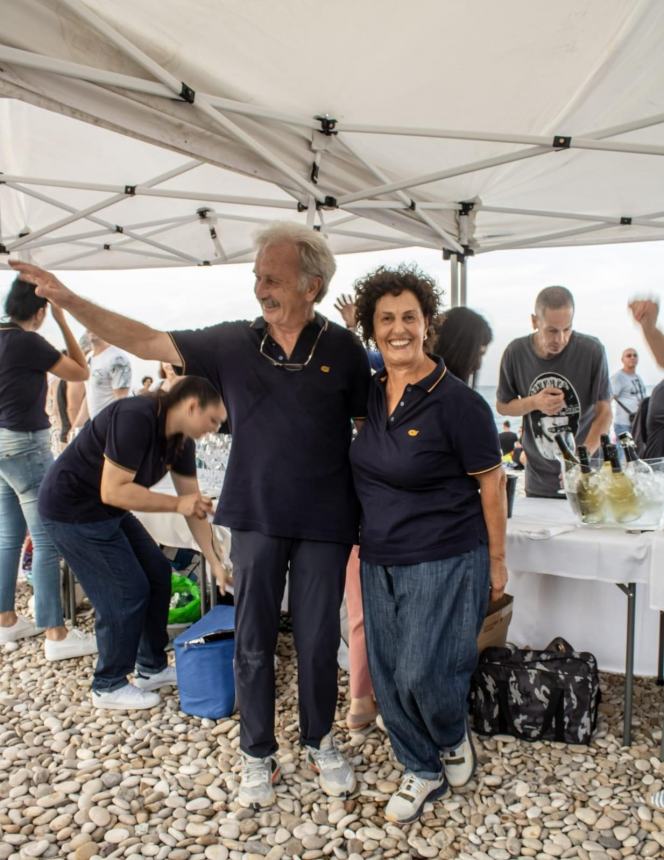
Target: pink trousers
(360, 680)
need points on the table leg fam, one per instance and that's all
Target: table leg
(660, 658)
(203, 584)
(630, 591)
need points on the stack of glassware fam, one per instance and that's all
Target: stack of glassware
(615, 493)
(212, 452)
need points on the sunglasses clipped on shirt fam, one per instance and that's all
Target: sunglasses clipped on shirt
(292, 366)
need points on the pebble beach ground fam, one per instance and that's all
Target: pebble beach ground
(80, 783)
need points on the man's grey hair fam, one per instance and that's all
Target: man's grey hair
(316, 259)
(552, 299)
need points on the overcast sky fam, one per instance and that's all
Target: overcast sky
(502, 286)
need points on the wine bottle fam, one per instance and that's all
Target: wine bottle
(620, 491)
(565, 451)
(589, 495)
(634, 465)
(605, 442)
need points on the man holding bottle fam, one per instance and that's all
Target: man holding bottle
(558, 379)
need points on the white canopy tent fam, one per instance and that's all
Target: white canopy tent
(467, 127)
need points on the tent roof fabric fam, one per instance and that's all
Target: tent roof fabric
(158, 134)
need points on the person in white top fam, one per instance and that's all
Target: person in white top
(110, 378)
(628, 391)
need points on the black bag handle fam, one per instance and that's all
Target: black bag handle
(554, 714)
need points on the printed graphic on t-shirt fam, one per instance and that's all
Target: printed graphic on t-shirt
(545, 427)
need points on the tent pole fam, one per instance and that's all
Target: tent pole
(573, 142)
(427, 178)
(546, 237)
(454, 280)
(406, 202)
(463, 281)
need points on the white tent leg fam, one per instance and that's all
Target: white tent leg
(454, 280)
(463, 281)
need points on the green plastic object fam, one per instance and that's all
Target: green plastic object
(185, 600)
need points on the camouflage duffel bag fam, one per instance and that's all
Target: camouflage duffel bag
(549, 695)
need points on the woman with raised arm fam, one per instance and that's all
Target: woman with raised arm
(25, 455)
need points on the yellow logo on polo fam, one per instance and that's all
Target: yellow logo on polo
(413, 432)
(325, 368)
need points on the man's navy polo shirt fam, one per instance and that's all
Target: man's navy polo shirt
(131, 434)
(288, 473)
(414, 470)
(25, 357)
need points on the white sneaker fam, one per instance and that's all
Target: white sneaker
(75, 644)
(127, 698)
(165, 678)
(257, 780)
(20, 629)
(335, 774)
(408, 800)
(460, 762)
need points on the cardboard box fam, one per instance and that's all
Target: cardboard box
(496, 624)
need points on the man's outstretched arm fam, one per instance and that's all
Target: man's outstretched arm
(135, 337)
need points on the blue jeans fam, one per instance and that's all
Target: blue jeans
(24, 459)
(421, 624)
(622, 428)
(128, 581)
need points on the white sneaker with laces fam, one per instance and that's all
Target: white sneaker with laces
(460, 762)
(127, 698)
(335, 774)
(75, 644)
(20, 629)
(257, 781)
(408, 800)
(165, 678)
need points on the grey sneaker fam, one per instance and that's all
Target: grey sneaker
(257, 781)
(460, 762)
(408, 800)
(335, 774)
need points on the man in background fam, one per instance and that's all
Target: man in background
(558, 379)
(110, 378)
(507, 438)
(628, 391)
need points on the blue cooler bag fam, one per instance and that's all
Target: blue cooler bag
(204, 665)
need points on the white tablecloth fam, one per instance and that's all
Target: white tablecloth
(563, 580)
(172, 529)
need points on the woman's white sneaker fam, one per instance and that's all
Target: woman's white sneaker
(335, 774)
(257, 781)
(126, 698)
(165, 678)
(460, 762)
(75, 644)
(20, 629)
(408, 800)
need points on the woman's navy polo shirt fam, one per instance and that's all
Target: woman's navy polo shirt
(414, 470)
(131, 434)
(288, 473)
(25, 357)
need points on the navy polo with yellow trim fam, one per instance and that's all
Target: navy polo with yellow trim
(288, 473)
(131, 434)
(414, 470)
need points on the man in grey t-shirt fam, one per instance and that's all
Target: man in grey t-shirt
(628, 391)
(559, 380)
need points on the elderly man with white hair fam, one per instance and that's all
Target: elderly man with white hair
(292, 382)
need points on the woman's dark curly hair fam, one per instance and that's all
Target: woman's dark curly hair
(385, 281)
